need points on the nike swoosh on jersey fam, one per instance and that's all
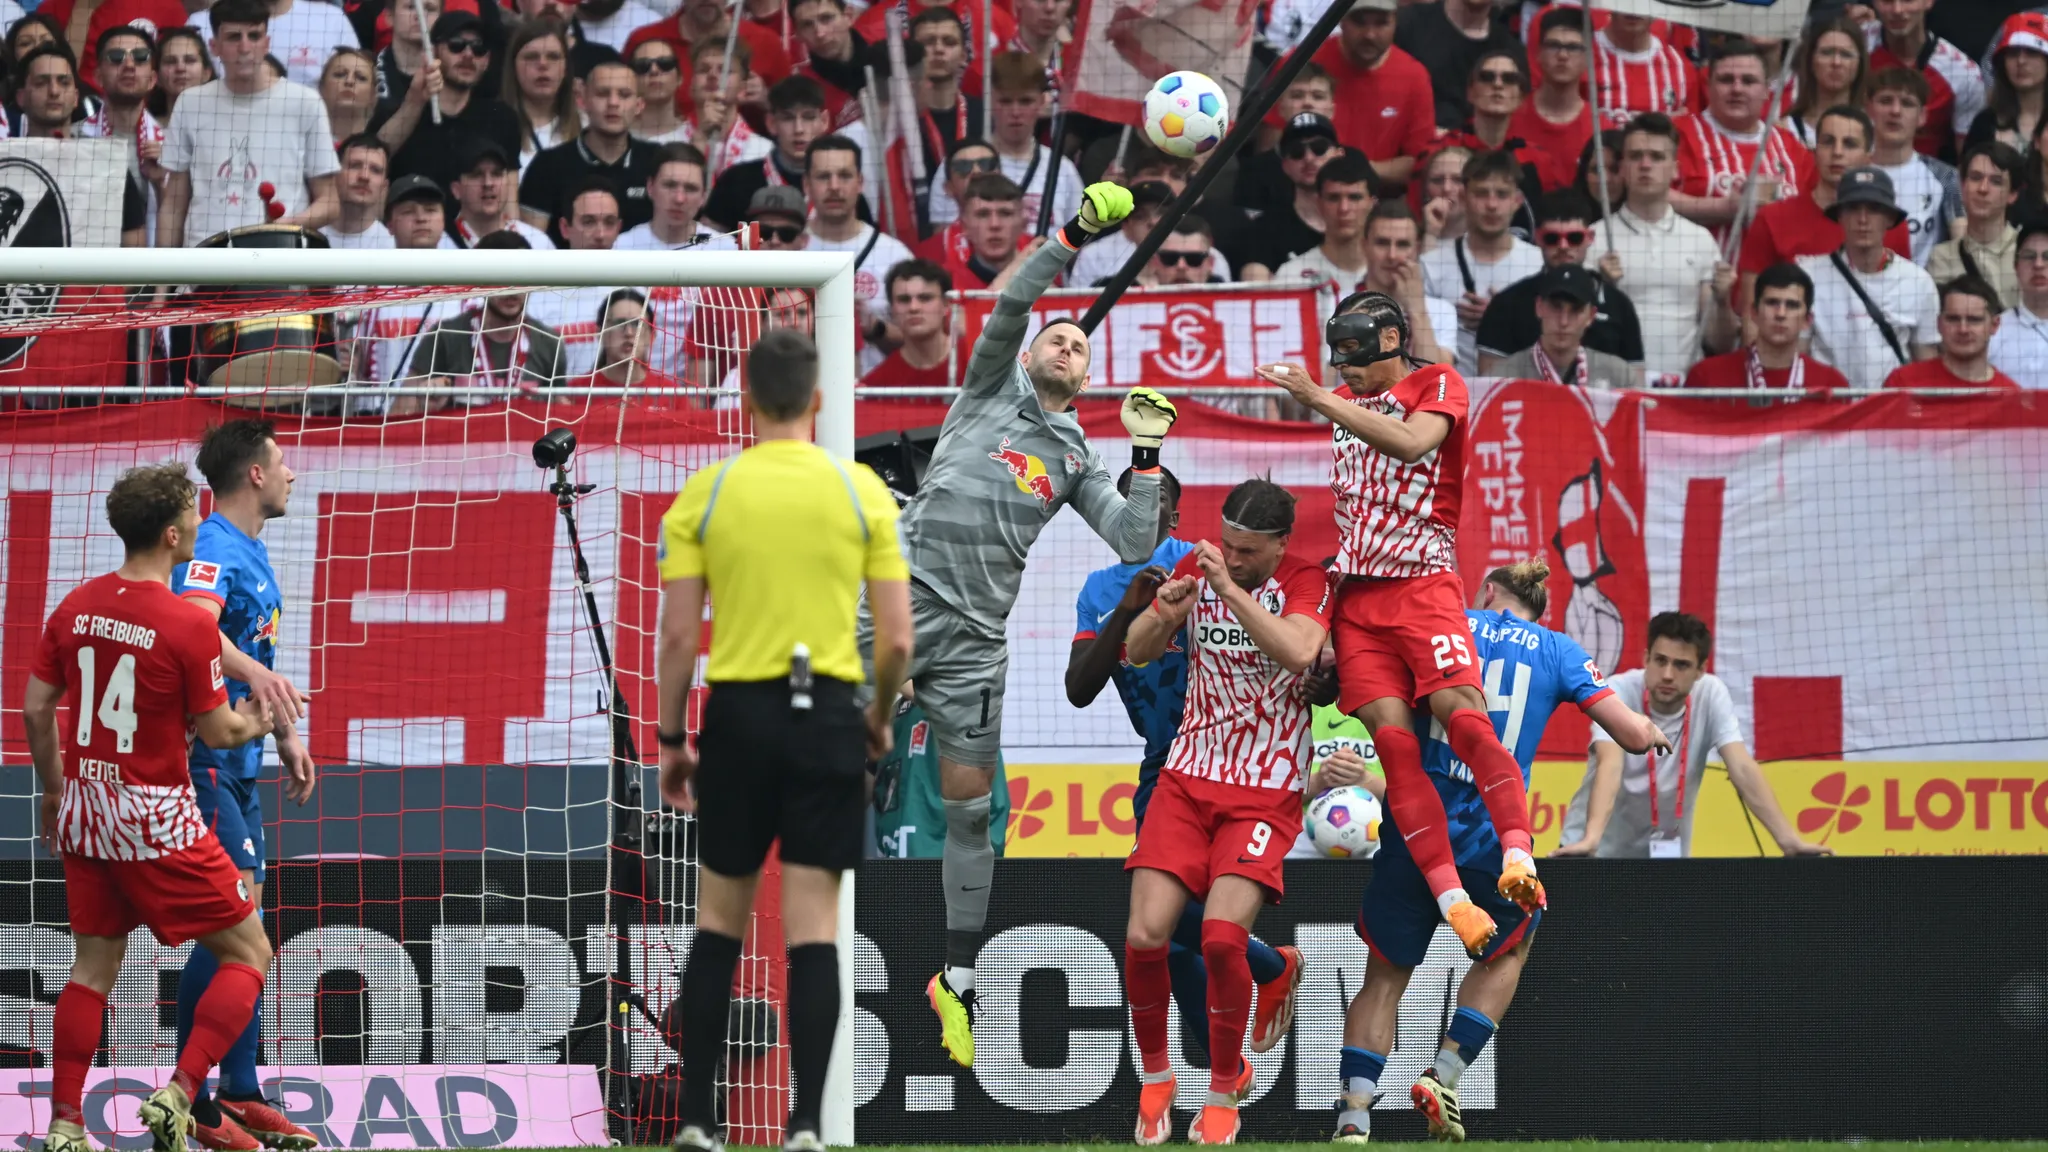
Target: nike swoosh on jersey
(263, 586)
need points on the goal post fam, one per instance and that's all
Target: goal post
(63, 457)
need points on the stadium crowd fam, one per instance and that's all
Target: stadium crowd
(1443, 151)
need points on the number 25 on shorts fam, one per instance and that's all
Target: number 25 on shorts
(1450, 650)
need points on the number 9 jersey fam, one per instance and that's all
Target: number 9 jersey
(1527, 671)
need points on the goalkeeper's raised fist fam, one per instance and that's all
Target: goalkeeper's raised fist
(1148, 417)
(1103, 205)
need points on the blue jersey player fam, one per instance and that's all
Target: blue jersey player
(231, 577)
(1528, 671)
(1153, 695)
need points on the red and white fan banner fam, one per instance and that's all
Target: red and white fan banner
(1872, 570)
(1193, 336)
(1122, 47)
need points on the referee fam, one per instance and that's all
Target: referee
(781, 536)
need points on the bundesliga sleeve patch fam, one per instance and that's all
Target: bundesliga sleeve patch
(203, 574)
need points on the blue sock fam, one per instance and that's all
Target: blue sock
(1359, 1071)
(1264, 960)
(1187, 931)
(1191, 995)
(1470, 1030)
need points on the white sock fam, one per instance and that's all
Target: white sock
(960, 980)
(1454, 896)
(1517, 856)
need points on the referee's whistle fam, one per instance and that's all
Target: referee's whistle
(800, 678)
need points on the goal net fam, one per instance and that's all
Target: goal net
(483, 912)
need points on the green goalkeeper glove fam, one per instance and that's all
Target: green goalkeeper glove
(1148, 417)
(1102, 205)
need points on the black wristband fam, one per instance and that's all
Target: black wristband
(1076, 235)
(1144, 459)
(668, 741)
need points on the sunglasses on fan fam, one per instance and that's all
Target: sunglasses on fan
(647, 64)
(961, 169)
(781, 233)
(1175, 259)
(1569, 237)
(1314, 145)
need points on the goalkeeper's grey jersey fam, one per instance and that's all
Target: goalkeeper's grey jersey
(1004, 467)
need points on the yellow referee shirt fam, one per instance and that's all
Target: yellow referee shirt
(783, 534)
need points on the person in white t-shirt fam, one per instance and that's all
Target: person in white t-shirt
(1926, 189)
(235, 135)
(1488, 257)
(1846, 333)
(304, 33)
(387, 336)
(676, 192)
(589, 223)
(1670, 267)
(1393, 247)
(2020, 348)
(365, 183)
(1018, 98)
(1334, 267)
(833, 184)
(1616, 812)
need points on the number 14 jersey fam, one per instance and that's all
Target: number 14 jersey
(134, 661)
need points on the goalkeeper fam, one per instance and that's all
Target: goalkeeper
(1010, 455)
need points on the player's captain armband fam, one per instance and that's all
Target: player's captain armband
(203, 574)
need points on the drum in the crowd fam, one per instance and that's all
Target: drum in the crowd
(268, 362)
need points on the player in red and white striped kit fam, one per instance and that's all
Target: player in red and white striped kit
(134, 662)
(1401, 632)
(1228, 800)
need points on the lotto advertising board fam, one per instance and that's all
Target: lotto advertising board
(1979, 808)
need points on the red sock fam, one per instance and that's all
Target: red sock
(1230, 999)
(1149, 988)
(80, 1022)
(1498, 775)
(218, 1019)
(1416, 808)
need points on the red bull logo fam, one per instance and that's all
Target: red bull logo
(267, 631)
(1028, 470)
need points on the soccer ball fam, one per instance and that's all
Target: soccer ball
(1186, 114)
(1345, 822)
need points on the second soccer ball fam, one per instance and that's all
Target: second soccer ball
(1345, 822)
(1186, 114)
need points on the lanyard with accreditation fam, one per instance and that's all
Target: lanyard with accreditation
(1666, 843)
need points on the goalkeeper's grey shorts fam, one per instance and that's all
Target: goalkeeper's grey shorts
(957, 671)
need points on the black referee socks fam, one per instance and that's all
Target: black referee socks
(813, 1017)
(707, 1007)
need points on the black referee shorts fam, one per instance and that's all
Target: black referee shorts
(767, 770)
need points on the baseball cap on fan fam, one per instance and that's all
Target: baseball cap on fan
(1567, 282)
(412, 187)
(1306, 126)
(2027, 30)
(1373, 6)
(778, 200)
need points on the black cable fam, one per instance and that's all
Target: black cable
(1249, 115)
